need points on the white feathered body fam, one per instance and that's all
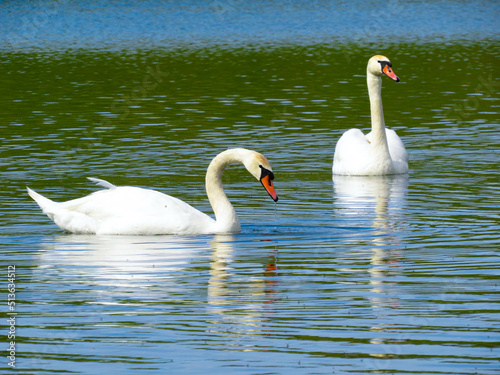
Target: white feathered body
(132, 210)
(355, 155)
(126, 210)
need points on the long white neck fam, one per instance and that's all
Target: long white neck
(225, 215)
(379, 139)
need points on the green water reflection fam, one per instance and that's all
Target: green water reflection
(390, 277)
(73, 111)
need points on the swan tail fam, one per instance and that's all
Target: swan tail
(65, 218)
(102, 183)
(45, 204)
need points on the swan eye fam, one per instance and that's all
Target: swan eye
(383, 64)
(266, 172)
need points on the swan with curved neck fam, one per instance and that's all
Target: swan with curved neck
(136, 211)
(381, 151)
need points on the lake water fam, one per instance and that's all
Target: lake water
(343, 276)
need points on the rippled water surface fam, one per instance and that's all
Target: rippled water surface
(343, 275)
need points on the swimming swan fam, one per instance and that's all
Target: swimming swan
(381, 151)
(132, 210)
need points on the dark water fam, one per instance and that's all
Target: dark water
(344, 275)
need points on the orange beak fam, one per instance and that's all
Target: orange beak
(390, 73)
(268, 185)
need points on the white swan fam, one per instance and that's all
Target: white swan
(381, 151)
(133, 210)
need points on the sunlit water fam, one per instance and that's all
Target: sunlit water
(344, 275)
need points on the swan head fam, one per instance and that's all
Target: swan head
(380, 65)
(260, 168)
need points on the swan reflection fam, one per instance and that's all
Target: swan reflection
(378, 199)
(220, 269)
(242, 300)
(379, 202)
(129, 270)
(125, 261)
